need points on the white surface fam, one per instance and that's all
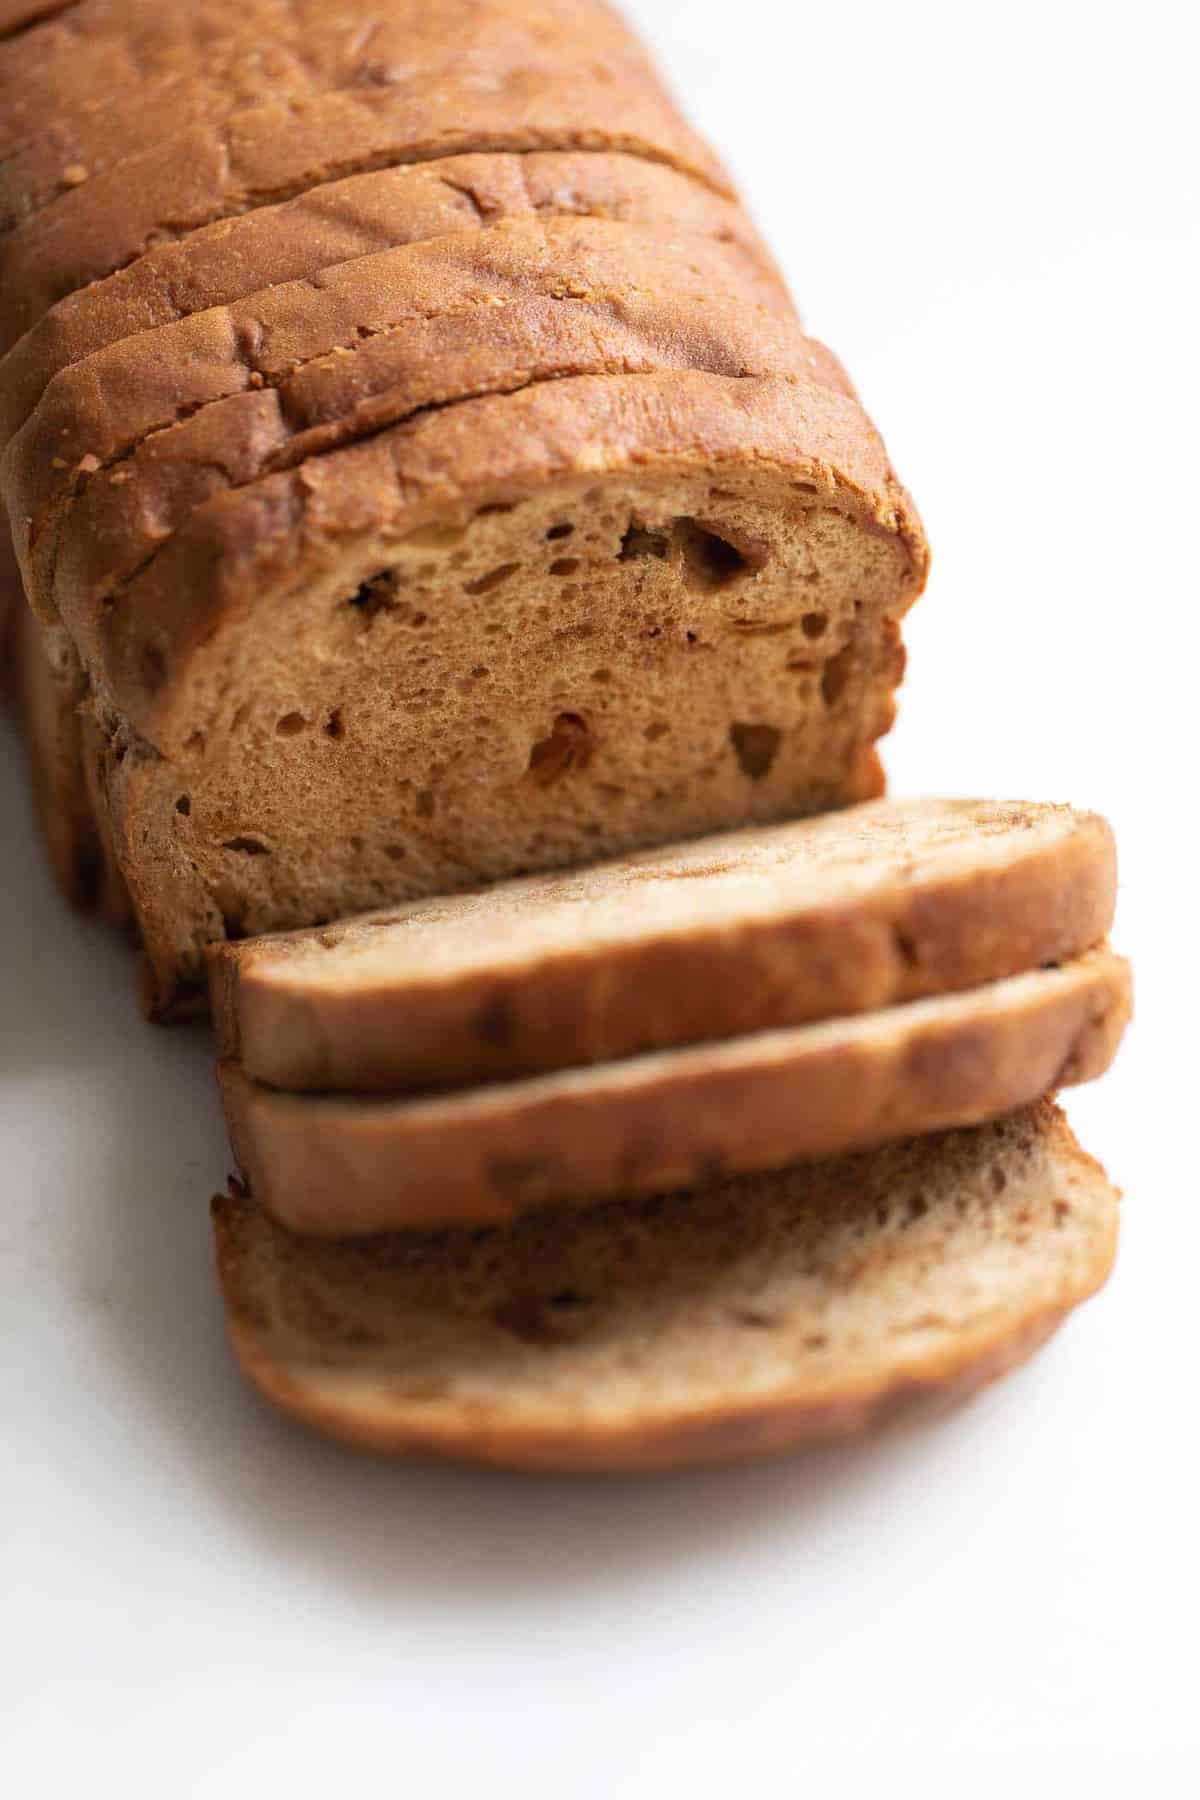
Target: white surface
(986, 213)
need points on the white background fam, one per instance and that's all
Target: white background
(988, 214)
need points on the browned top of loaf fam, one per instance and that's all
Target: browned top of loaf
(706, 1327)
(265, 154)
(361, 216)
(745, 931)
(803, 443)
(348, 47)
(149, 27)
(226, 398)
(677, 294)
(107, 52)
(100, 53)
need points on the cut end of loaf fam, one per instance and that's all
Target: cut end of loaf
(751, 1317)
(522, 685)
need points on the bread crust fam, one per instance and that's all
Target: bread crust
(122, 447)
(407, 50)
(267, 154)
(297, 1016)
(361, 216)
(333, 1375)
(736, 1435)
(112, 55)
(337, 1166)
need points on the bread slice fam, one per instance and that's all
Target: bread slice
(515, 633)
(364, 215)
(262, 155)
(743, 932)
(122, 447)
(713, 1327)
(336, 1165)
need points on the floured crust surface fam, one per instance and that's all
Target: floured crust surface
(336, 1165)
(741, 932)
(733, 1322)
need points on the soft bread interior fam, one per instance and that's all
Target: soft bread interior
(598, 666)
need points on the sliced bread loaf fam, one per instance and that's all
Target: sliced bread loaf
(336, 1165)
(742, 932)
(513, 634)
(261, 155)
(361, 216)
(742, 1319)
(385, 672)
(122, 446)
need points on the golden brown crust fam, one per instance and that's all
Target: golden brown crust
(266, 154)
(742, 1433)
(348, 49)
(110, 56)
(338, 1166)
(302, 1339)
(235, 548)
(296, 1017)
(121, 448)
(362, 216)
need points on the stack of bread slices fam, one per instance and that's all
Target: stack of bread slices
(827, 1044)
(462, 604)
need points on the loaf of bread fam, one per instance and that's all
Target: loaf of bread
(419, 460)
(748, 1317)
